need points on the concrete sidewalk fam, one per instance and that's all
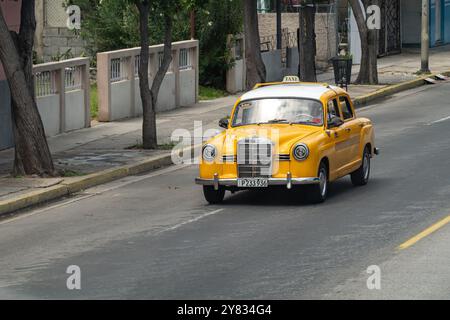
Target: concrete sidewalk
(108, 151)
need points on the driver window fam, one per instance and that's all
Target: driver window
(333, 109)
(346, 108)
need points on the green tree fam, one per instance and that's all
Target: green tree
(216, 19)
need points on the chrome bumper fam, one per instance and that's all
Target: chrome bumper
(288, 181)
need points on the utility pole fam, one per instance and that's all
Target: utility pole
(279, 30)
(425, 43)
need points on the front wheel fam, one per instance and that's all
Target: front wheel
(361, 176)
(213, 196)
(318, 193)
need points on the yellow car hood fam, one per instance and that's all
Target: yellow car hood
(282, 135)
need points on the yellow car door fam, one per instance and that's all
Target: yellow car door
(353, 130)
(340, 136)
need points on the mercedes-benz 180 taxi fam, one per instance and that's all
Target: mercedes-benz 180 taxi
(288, 134)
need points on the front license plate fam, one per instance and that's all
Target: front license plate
(253, 183)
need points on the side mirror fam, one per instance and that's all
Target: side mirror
(335, 122)
(223, 123)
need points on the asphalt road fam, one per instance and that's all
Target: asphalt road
(154, 237)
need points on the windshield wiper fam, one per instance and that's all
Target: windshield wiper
(309, 123)
(277, 120)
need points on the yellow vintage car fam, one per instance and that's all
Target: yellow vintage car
(288, 134)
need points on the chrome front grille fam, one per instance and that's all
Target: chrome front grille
(284, 157)
(254, 158)
(229, 158)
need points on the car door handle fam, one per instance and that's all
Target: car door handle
(348, 129)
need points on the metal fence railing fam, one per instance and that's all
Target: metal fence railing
(44, 83)
(73, 78)
(119, 71)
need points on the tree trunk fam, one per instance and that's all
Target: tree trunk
(149, 140)
(255, 68)
(32, 155)
(307, 47)
(368, 73)
(149, 96)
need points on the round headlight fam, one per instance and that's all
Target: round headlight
(209, 152)
(301, 152)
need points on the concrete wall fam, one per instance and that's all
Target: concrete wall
(52, 36)
(267, 23)
(75, 111)
(187, 88)
(120, 104)
(58, 41)
(49, 110)
(236, 77)
(121, 99)
(166, 95)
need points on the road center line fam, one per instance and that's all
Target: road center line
(424, 233)
(190, 221)
(440, 120)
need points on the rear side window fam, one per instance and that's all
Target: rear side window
(346, 108)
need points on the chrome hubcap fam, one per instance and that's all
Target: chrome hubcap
(323, 182)
(366, 166)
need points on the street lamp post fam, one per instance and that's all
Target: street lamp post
(425, 43)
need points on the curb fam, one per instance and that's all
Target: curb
(67, 188)
(392, 89)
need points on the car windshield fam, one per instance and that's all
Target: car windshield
(279, 110)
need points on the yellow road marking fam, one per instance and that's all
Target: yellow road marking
(424, 233)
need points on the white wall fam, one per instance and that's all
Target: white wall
(137, 98)
(120, 99)
(75, 112)
(187, 87)
(166, 96)
(236, 77)
(48, 107)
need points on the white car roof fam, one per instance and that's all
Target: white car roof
(291, 90)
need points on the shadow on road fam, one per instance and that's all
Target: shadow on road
(280, 196)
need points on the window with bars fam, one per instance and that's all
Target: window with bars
(72, 78)
(118, 69)
(185, 59)
(45, 83)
